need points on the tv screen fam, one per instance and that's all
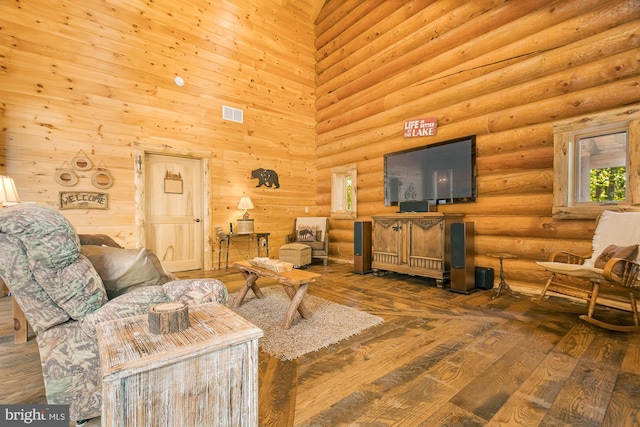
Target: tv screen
(442, 173)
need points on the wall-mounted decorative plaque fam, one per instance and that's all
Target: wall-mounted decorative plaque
(81, 162)
(101, 178)
(83, 200)
(173, 183)
(66, 176)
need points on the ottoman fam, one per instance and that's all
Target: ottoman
(297, 254)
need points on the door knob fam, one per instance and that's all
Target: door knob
(197, 220)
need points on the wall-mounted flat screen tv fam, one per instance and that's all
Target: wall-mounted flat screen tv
(440, 173)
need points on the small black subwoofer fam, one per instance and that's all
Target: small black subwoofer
(484, 277)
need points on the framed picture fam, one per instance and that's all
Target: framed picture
(173, 186)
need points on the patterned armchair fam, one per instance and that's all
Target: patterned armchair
(313, 232)
(64, 298)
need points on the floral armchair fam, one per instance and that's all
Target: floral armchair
(63, 297)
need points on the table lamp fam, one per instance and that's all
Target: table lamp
(8, 192)
(245, 224)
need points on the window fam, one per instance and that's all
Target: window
(343, 192)
(602, 167)
(593, 160)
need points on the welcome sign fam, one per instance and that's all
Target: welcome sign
(420, 127)
(83, 200)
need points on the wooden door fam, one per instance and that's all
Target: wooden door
(174, 212)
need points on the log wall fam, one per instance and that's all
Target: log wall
(502, 70)
(98, 76)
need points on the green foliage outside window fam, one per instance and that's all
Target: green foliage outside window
(349, 185)
(608, 184)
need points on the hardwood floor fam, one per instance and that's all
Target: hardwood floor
(439, 359)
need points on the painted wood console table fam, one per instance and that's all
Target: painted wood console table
(206, 375)
(294, 282)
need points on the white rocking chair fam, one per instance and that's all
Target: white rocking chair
(611, 271)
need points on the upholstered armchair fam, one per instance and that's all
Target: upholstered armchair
(64, 297)
(313, 232)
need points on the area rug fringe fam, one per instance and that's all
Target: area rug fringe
(330, 323)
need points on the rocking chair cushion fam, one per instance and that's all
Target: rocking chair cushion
(613, 251)
(576, 270)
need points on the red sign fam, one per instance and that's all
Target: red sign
(420, 127)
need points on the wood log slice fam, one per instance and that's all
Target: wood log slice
(168, 318)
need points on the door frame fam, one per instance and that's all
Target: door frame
(140, 153)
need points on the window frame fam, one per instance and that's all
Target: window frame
(566, 135)
(339, 175)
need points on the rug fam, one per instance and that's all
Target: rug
(329, 323)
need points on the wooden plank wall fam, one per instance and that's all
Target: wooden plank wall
(502, 70)
(98, 76)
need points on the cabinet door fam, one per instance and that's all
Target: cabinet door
(426, 244)
(387, 242)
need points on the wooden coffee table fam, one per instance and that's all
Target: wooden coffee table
(294, 282)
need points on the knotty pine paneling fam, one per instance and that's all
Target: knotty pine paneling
(502, 70)
(97, 76)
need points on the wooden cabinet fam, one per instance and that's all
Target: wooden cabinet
(206, 375)
(414, 243)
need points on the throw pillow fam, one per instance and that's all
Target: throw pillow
(123, 270)
(613, 251)
(306, 233)
(98, 240)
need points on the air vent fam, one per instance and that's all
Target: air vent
(232, 114)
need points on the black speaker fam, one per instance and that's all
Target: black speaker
(362, 247)
(418, 206)
(462, 257)
(484, 277)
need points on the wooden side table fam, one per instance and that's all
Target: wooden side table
(206, 375)
(226, 239)
(502, 285)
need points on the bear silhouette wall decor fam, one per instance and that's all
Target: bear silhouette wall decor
(266, 177)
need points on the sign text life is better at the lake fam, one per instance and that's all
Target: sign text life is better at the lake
(420, 127)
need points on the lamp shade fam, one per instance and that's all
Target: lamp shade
(8, 192)
(245, 203)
